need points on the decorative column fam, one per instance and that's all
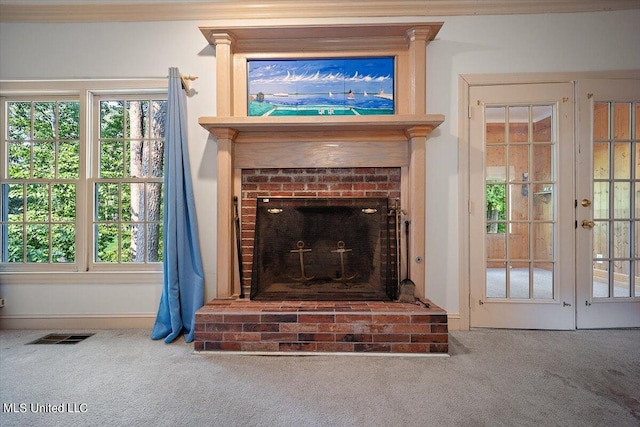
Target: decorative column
(225, 271)
(224, 43)
(225, 225)
(416, 204)
(418, 39)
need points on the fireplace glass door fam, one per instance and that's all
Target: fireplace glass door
(323, 249)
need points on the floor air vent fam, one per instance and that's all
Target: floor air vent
(61, 339)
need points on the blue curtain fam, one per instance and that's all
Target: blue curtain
(183, 287)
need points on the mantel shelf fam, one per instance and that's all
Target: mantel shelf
(410, 125)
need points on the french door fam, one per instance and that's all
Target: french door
(608, 204)
(555, 220)
(522, 206)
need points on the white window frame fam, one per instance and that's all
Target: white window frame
(94, 171)
(71, 266)
(83, 270)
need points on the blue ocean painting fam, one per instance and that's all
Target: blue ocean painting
(317, 87)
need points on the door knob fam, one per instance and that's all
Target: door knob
(587, 224)
(586, 203)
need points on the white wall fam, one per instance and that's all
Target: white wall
(502, 44)
(465, 45)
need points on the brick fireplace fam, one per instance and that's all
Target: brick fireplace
(320, 158)
(332, 201)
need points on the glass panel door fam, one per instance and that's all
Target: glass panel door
(608, 187)
(521, 223)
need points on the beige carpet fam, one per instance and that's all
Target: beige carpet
(493, 378)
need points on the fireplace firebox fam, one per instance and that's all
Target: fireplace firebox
(323, 249)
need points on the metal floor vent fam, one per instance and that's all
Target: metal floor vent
(61, 339)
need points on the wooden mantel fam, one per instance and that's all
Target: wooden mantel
(326, 127)
(246, 142)
(302, 141)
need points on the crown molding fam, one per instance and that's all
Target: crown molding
(104, 11)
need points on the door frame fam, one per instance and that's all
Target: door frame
(465, 81)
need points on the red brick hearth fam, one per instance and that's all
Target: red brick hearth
(321, 326)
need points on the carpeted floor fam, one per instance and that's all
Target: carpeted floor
(493, 378)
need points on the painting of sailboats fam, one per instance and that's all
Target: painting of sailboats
(317, 87)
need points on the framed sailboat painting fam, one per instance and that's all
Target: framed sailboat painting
(317, 87)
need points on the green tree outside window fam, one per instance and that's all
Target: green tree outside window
(496, 204)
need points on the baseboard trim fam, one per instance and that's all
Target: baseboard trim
(106, 321)
(454, 322)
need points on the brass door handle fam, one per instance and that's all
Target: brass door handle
(587, 224)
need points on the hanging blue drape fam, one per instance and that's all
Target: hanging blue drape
(183, 286)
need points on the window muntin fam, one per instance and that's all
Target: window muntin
(520, 169)
(39, 181)
(616, 212)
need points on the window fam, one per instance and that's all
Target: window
(39, 187)
(75, 197)
(127, 193)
